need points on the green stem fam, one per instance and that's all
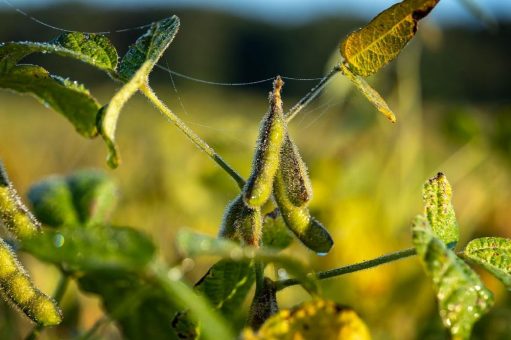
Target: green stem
(401, 254)
(153, 98)
(313, 93)
(60, 290)
(259, 274)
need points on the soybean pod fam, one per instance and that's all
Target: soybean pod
(294, 174)
(17, 287)
(298, 219)
(258, 188)
(14, 215)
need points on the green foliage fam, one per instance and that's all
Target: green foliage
(276, 234)
(64, 96)
(494, 255)
(149, 47)
(193, 244)
(463, 299)
(379, 42)
(437, 195)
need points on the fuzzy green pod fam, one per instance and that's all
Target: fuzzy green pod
(258, 188)
(17, 288)
(13, 213)
(306, 228)
(231, 215)
(294, 174)
(52, 202)
(249, 226)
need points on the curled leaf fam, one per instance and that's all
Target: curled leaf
(68, 98)
(258, 188)
(494, 255)
(371, 94)
(437, 195)
(379, 42)
(462, 297)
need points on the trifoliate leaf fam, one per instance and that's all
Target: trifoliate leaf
(379, 42)
(462, 297)
(69, 98)
(437, 194)
(316, 319)
(493, 254)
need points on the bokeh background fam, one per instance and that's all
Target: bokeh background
(450, 89)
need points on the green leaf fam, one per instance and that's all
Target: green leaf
(52, 202)
(141, 308)
(93, 49)
(494, 255)
(108, 116)
(149, 47)
(276, 234)
(316, 319)
(193, 244)
(371, 94)
(437, 194)
(64, 96)
(461, 295)
(94, 195)
(93, 248)
(379, 42)
(226, 285)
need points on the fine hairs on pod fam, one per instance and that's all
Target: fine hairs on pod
(242, 223)
(14, 215)
(258, 188)
(17, 288)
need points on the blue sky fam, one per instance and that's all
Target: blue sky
(299, 10)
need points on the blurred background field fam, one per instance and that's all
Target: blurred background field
(450, 89)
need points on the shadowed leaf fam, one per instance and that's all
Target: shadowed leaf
(379, 42)
(69, 98)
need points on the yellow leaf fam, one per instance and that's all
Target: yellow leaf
(316, 319)
(370, 93)
(379, 42)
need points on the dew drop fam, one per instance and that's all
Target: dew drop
(58, 240)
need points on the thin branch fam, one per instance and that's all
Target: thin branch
(401, 254)
(313, 93)
(199, 142)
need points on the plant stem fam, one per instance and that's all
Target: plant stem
(401, 254)
(199, 142)
(313, 93)
(60, 290)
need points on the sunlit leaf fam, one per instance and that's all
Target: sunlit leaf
(149, 47)
(462, 297)
(64, 96)
(93, 49)
(93, 248)
(193, 244)
(370, 93)
(493, 254)
(437, 194)
(379, 42)
(108, 116)
(316, 319)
